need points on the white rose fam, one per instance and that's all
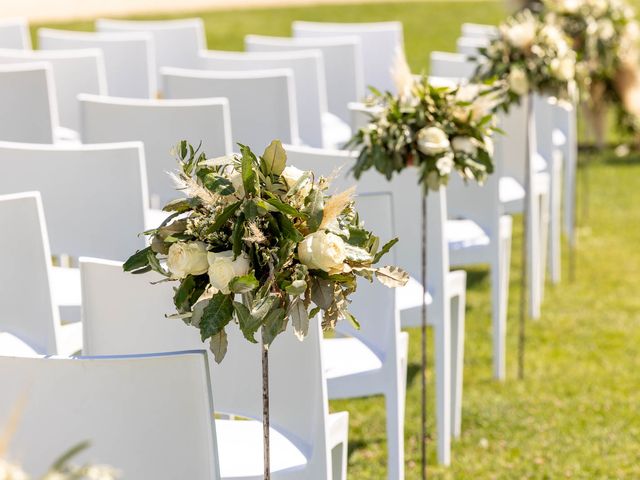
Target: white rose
(606, 29)
(488, 145)
(569, 6)
(464, 145)
(518, 81)
(445, 163)
(522, 34)
(322, 251)
(432, 140)
(563, 69)
(223, 268)
(187, 259)
(291, 175)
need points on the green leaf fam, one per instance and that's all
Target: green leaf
(218, 184)
(358, 236)
(218, 345)
(349, 316)
(154, 263)
(314, 209)
(61, 462)
(223, 217)
(248, 323)
(356, 254)
(299, 319)
(385, 249)
(179, 205)
(274, 158)
(322, 292)
(138, 260)
(183, 293)
(289, 230)
(297, 288)
(249, 176)
(283, 207)
(250, 209)
(274, 323)
(216, 315)
(243, 284)
(237, 235)
(392, 277)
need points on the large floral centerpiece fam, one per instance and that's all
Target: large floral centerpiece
(436, 129)
(531, 55)
(605, 36)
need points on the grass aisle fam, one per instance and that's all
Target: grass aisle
(576, 415)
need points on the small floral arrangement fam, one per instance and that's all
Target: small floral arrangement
(62, 469)
(530, 55)
(437, 129)
(270, 233)
(605, 36)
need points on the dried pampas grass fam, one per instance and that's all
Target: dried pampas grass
(336, 205)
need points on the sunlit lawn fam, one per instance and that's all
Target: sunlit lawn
(576, 414)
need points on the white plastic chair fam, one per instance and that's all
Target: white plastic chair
(177, 42)
(160, 125)
(317, 127)
(129, 57)
(148, 416)
(29, 110)
(14, 33)
(304, 435)
(380, 44)
(262, 103)
(74, 72)
(29, 297)
(343, 69)
(95, 196)
(471, 45)
(446, 292)
(12, 346)
(479, 30)
(452, 65)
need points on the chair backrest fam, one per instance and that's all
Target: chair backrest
(452, 65)
(308, 78)
(95, 195)
(343, 69)
(129, 57)
(14, 33)
(380, 43)
(177, 42)
(136, 323)
(479, 30)
(28, 310)
(29, 110)
(262, 103)
(74, 72)
(12, 346)
(148, 416)
(544, 112)
(160, 125)
(471, 45)
(511, 148)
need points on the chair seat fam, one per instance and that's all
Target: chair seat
(347, 356)
(65, 286)
(410, 296)
(155, 217)
(12, 346)
(510, 190)
(558, 137)
(66, 136)
(335, 132)
(539, 163)
(240, 450)
(465, 234)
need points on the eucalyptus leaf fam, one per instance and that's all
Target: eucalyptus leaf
(392, 277)
(299, 319)
(357, 254)
(274, 158)
(314, 209)
(322, 292)
(218, 345)
(385, 249)
(244, 284)
(274, 323)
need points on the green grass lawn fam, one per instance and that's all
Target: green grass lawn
(576, 414)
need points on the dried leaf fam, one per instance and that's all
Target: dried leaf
(392, 277)
(218, 345)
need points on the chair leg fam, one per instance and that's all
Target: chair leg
(545, 227)
(554, 261)
(500, 271)
(339, 461)
(443, 388)
(458, 304)
(534, 253)
(395, 399)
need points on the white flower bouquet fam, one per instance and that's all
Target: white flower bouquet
(256, 228)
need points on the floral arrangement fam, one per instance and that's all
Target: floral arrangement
(437, 129)
(605, 36)
(530, 55)
(255, 227)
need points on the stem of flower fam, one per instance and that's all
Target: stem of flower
(265, 411)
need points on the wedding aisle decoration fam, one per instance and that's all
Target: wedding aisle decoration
(439, 131)
(254, 228)
(531, 56)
